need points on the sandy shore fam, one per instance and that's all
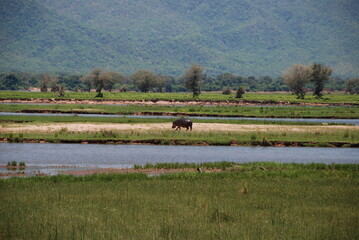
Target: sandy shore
(152, 127)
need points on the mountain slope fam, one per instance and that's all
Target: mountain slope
(246, 37)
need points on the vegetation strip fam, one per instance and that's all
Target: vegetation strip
(252, 98)
(207, 111)
(304, 201)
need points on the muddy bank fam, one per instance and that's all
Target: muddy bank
(199, 102)
(263, 143)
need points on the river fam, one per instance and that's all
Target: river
(51, 158)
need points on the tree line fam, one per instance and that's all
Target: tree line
(298, 79)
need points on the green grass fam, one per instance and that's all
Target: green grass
(317, 137)
(244, 111)
(333, 98)
(282, 202)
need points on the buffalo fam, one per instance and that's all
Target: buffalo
(182, 122)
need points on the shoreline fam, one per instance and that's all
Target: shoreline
(166, 102)
(179, 142)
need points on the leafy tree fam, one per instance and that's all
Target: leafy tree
(70, 81)
(240, 92)
(11, 81)
(193, 78)
(101, 79)
(87, 81)
(352, 86)
(296, 77)
(320, 75)
(110, 79)
(145, 80)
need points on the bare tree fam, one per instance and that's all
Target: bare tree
(193, 79)
(296, 77)
(320, 75)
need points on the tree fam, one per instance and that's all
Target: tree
(101, 79)
(45, 80)
(193, 79)
(296, 77)
(53, 85)
(144, 80)
(240, 92)
(352, 86)
(111, 79)
(61, 91)
(320, 75)
(87, 80)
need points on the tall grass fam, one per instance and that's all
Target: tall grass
(286, 203)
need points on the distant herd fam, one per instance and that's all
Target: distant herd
(182, 122)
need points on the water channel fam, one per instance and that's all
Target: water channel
(309, 120)
(52, 158)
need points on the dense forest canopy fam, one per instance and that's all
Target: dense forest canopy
(244, 37)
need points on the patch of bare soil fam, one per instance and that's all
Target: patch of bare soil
(197, 127)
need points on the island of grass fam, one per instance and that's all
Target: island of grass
(209, 97)
(190, 111)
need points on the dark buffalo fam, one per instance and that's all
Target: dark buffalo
(185, 123)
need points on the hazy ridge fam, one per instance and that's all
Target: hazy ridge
(245, 37)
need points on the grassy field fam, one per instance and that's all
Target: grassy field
(260, 201)
(331, 98)
(321, 137)
(244, 111)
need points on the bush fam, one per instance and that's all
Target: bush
(240, 92)
(226, 91)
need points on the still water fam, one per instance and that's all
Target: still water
(309, 120)
(101, 156)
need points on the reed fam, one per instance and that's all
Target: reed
(280, 201)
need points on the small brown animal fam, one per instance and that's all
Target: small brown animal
(182, 122)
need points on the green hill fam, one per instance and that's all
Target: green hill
(245, 37)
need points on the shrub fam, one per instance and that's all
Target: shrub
(226, 91)
(240, 92)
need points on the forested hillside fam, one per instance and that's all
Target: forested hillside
(244, 37)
